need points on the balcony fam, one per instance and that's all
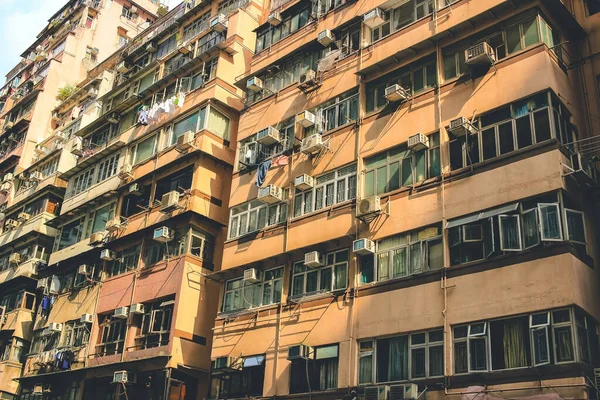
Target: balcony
(35, 226)
(48, 181)
(90, 197)
(19, 322)
(11, 153)
(28, 269)
(9, 371)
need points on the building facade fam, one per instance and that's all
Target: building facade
(412, 210)
(34, 130)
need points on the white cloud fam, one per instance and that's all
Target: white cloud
(20, 22)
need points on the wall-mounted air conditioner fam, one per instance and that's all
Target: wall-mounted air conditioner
(374, 18)
(418, 142)
(268, 136)
(314, 259)
(461, 127)
(312, 144)
(135, 189)
(126, 171)
(137, 308)
(23, 217)
(185, 141)
(254, 84)
(380, 392)
(113, 225)
(124, 377)
(85, 270)
(304, 182)
(252, 275)
(270, 194)
(480, 54)
(11, 223)
(409, 391)
(163, 234)
(55, 327)
(107, 255)
(363, 246)
(169, 201)
(14, 259)
(306, 119)
(219, 23)
(121, 312)
(96, 238)
(326, 37)
(35, 176)
(396, 93)
(300, 352)
(369, 205)
(87, 318)
(123, 67)
(274, 18)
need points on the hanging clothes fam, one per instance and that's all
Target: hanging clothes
(143, 116)
(261, 173)
(170, 105)
(76, 112)
(45, 304)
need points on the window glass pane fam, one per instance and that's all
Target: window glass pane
(145, 149)
(365, 368)
(575, 226)
(381, 179)
(218, 124)
(368, 189)
(531, 235)
(418, 363)
(407, 178)
(420, 166)
(188, 124)
(394, 181)
(505, 134)
(541, 121)
(513, 39)
(541, 352)
(523, 131)
(530, 30)
(478, 359)
(550, 222)
(460, 358)
(564, 344)
(488, 143)
(511, 235)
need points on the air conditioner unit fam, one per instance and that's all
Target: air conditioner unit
(268, 136)
(312, 144)
(274, 18)
(8, 177)
(123, 377)
(87, 318)
(35, 176)
(123, 67)
(252, 275)
(396, 93)
(185, 48)
(113, 118)
(363, 246)
(461, 127)
(93, 92)
(151, 47)
(185, 141)
(304, 182)
(219, 23)
(38, 389)
(374, 18)
(403, 392)
(169, 201)
(370, 205)
(107, 255)
(43, 283)
(306, 119)
(77, 147)
(96, 238)
(377, 392)
(40, 149)
(113, 225)
(254, 84)
(85, 270)
(126, 171)
(14, 259)
(308, 78)
(11, 223)
(270, 194)
(135, 189)
(23, 217)
(314, 259)
(480, 54)
(121, 312)
(163, 234)
(418, 142)
(326, 37)
(55, 327)
(5, 187)
(137, 308)
(299, 352)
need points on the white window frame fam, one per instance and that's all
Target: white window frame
(270, 208)
(568, 233)
(516, 217)
(134, 149)
(540, 206)
(319, 271)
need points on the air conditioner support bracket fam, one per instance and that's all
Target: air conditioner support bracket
(368, 218)
(191, 146)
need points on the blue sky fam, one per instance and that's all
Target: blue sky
(21, 21)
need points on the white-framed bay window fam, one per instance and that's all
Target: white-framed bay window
(256, 215)
(207, 117)
(331, 188)
(143, 149)
(330, 277)
(241, 295)
(100, 172)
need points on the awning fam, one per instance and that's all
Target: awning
(482, 215)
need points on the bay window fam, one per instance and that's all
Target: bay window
(112, 336)
(207, 117)
(405, 13)
(335, 113)
(292, 20)
(143, 150)
(69, 234)
(155, 327)
(93, 175)
(401, 358)
(241, 295)
(125, 260)
(332, 188)
(330, 277)
(76, 334)
(256, 215)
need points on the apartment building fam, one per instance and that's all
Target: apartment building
(127, 301)
(40, 105)
(413, 205)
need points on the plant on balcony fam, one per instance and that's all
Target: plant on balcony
(65, 92)
(162, 10)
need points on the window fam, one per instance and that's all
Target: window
(70, 234)
(417, 77)
(332, 188)
(217, 123)
(241, 295)
(97, 219)
(42, 341)
(143, 150)
(112, 337)
(248, 383)
(405, 254)
(252, 152)
(202, 245)
(128, 14)
(96, 174)
(13, 349)
(179, 181)
(593, 6)
(126, 260)
(322, 371)
(336, 112)
(122, 41)
(135, 203)
(530, 340)
(199, 25)
(399, 358)
(228, 6)
(401, 167)
(512, 228)
(155, 327)
(59, 48)
(512, 127)
(402, 16)
(204, 74)
(292, 22)
(76, 334)
(332, 276)
(256, 215)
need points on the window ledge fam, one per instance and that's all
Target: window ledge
(328, 209)
(398, 279)
(257, 233)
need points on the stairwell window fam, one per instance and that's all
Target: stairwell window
(154, 329)
(322, 371)
(332, 188)
(405, 254)
(335, 113)
(405, 14)
(126, 260)
(76, 334)
(400, 358)
(255, 215)
(401, 167)
(241, 295)
(332, 276)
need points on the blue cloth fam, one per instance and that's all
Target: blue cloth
(46, 304)
(261, 173)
